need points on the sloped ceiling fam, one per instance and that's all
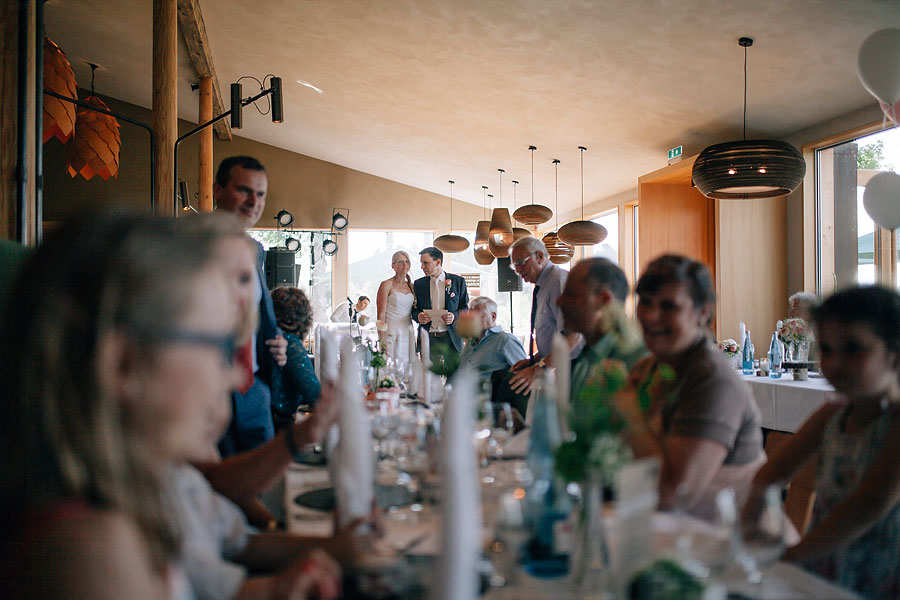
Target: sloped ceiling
(422, 91)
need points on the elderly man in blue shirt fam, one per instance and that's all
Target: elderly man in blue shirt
(495, 349)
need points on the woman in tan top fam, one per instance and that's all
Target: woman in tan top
(687, 405)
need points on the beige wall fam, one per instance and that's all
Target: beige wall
(307, 187)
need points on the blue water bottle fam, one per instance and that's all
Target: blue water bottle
(747, 355)
(776, 357)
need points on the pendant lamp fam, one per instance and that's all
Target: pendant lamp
(59, 115)
(532, 214)
(559, 252)
(451, 243)
(94, 147)
(518, 232)
(502, 235)
(582, 233)
(482, 249)
(748, 169)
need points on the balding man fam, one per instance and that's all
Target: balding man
(592, 305)
(495, 350)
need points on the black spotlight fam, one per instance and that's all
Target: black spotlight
(329, 247)
(292, 244)
(277, 102)
(284, 218)
(339, 222)
(236, 104)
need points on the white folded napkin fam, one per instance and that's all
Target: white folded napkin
(461, 501)
(328, 373)
(424, 390)
(352, 463)
(561, 361)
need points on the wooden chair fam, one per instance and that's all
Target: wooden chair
(801, 494)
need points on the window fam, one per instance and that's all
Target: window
(464, 263)
(313, 267)
(608, 248)
(369, 259)
(851, 247)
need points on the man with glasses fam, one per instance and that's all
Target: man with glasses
(531, 261)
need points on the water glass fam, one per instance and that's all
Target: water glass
(763, 531)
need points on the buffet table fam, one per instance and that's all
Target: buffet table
(785, 404)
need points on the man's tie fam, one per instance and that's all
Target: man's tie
(532, 344)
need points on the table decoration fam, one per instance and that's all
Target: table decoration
(731, 349)
(796, 335)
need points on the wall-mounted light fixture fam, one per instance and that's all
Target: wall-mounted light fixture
(284, 218)
(329, 247)
(339, 220)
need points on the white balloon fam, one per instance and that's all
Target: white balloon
(878, 65)
(882, 200)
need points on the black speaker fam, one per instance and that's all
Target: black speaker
(281, 268)
(507, 280)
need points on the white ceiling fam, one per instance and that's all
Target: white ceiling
(422, 91)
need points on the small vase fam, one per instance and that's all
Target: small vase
(589, 561)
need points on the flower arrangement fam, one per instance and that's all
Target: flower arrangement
(386, 383)
(729, 347)
(794, 330)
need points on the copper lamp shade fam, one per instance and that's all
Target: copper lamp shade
(482, 250)
(519, 233)
(749, 169)
(451, 243)
(59, 115)
(94, 148)
(501, 233)
(582, 233)
(560, 252)
(532, 214)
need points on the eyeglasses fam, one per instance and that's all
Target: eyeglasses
(521, 263)
(226, 344)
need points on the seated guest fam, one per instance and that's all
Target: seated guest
(297, 383)
(592, 305)
(802, 304)
(854, 537)
(494, 349)
(345, 313)
(701, 420)
(127, 369)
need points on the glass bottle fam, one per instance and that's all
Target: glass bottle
(547, 503)
(747, 355)
(776, 357)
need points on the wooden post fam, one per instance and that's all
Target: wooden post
(165, 100)
(205, 166)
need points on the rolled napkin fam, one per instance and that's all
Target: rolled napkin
(352, 463)
(742, 331)
(328, 355)
(561, 361)
(461, 503)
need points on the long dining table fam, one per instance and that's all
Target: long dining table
(785, 404)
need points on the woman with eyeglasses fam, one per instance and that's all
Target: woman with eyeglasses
(117, 363)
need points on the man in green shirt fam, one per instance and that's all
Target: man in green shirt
(592, 305)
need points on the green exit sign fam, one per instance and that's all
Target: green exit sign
(675, 154)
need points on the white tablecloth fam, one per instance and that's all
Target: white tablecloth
(784, 403)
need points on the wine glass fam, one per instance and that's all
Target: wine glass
(708, 545)
(763, 530)
(502, 429)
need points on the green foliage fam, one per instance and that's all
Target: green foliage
(449, 361)
(665, 580)
(871, 156)
(387, 382)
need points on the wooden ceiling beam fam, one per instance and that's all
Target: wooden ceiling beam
(190, 20)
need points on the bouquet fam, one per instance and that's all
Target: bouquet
(729, 347)
(794, 330)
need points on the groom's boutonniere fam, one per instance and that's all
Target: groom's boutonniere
(447, 284)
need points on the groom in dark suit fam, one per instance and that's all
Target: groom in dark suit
(439, 290)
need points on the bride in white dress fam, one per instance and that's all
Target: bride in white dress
(394, 306)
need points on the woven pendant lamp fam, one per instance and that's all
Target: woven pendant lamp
(94, 148)
(559, 252)
(482, 251)
(582, 233)
(58, 115)
(748, 169)
(518, 232)
(532, 214)
(451, 243)
(502, 235)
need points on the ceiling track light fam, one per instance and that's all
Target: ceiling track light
(748, 169)
(292, 244)
(329, 247)
(284, 218)
(339, 220)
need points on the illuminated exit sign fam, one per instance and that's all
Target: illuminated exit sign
(674, 155)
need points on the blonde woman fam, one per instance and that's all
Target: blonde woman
(394, 304)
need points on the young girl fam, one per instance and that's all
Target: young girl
(854, 537)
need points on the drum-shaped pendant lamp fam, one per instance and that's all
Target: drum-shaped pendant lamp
(451, 243)
(532, 214)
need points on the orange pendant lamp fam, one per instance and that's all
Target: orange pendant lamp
(58, 115)
(482, 250)
(451, 243)
(502, 235)
(532, 214)
(94, 148)
(560, 252)
(582, 233)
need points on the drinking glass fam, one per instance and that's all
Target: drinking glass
(502, 429)
(708, 546)
(510, 536)
(763, 529)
